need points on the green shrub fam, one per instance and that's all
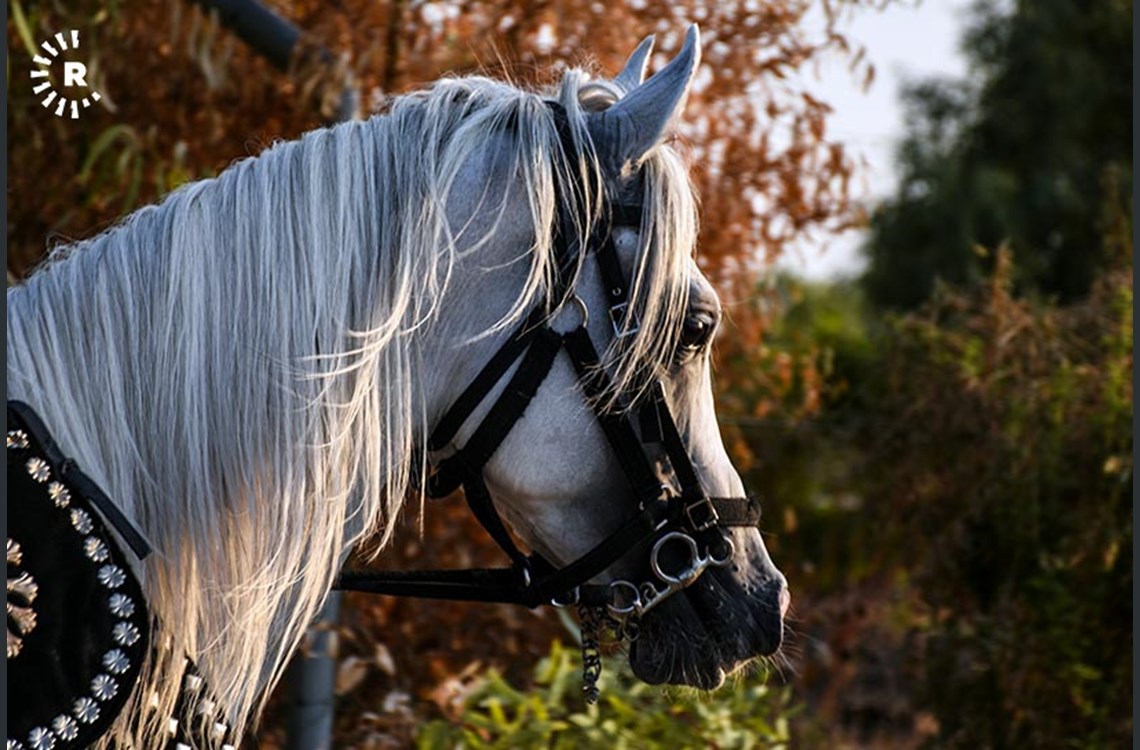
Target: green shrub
(630, 714)
(1004, 453)
(964, 494)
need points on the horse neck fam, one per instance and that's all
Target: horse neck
(247, 435)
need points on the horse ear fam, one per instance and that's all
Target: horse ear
(637, 121)
(633, 73)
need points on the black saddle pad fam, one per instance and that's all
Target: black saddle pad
(78, 627)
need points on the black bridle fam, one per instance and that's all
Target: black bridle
(686, 524)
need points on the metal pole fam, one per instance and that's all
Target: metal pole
(268, 33)
(276, 39)
(312, 682)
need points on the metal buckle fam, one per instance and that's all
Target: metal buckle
(617, 315)
(703, 524)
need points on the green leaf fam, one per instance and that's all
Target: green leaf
(23, 28)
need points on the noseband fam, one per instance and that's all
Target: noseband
(685, 524)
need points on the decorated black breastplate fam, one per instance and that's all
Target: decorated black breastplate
(78, 627)
(78, 624)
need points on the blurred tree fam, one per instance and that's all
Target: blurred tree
(954, 514)
(1020, 156)
(797, 447)
(1000, 460)
(183, 98)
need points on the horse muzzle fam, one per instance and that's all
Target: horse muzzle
(726, 618)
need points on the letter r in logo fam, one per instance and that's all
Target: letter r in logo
(74, 74)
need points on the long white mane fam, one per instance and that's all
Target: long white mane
(237, 366)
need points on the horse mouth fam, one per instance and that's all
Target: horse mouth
(650, 668)
(710, 630)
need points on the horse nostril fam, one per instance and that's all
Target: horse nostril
(785, 601)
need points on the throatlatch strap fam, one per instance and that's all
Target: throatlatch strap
(478, 388)
(507, 409)
(466, 466)
(483, 507)
(566, 251)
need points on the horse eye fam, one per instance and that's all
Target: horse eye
(696, 331)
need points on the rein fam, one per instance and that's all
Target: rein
(685, 524)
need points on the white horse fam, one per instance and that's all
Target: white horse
(250, 369)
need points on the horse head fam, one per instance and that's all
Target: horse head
(556, 475)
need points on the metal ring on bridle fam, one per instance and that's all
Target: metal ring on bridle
(692, 567)
(729, 551)
(579, 303)
(634, 603)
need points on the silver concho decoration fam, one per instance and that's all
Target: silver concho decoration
(86, 710)
(104, 687)
(38, 469)
(22, 590)
(121, 605)
(81, 521)
(125, 633)
(116, 662)
(95, 549)
(41, 738)
(59, 495)
(65, 727)
(111, 576)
